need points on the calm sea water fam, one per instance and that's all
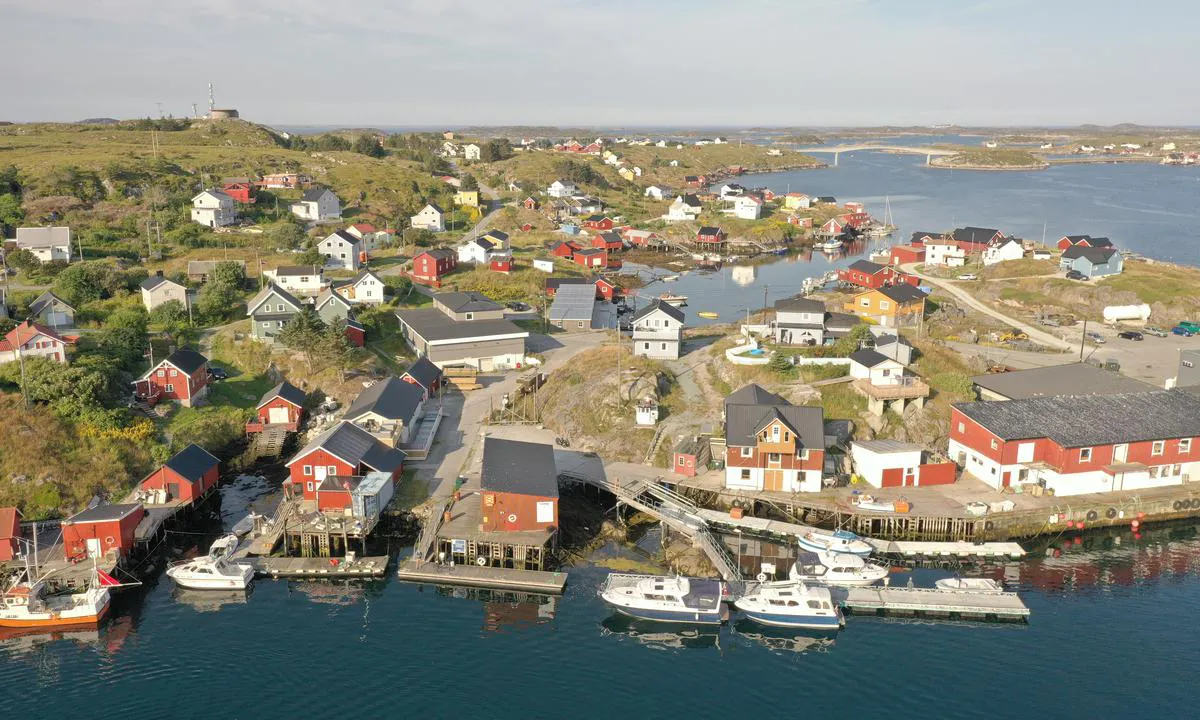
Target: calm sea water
(1113, 631)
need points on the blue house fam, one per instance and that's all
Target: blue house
(1092, 262)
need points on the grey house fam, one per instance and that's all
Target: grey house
(270, 310)
(52, 311)
(467, 306)
(157, 290)
(799, 321)
(658, 331)
(464, 329)
(894, 347)
(1093, 262)
(332, 307)
(390, 410)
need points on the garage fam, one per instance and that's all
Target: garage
(278, 416)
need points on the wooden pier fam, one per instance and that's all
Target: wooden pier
(473, 576)
(932, 602)
(291, 567)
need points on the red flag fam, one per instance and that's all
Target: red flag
(106, 580)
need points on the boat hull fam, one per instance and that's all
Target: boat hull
(794, 621)
(839, 582)
(51, 621)
(671, 616)
(819, 548)
(223, 582)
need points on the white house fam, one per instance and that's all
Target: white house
(872, 457)
(365, 288)
(341, 249)
(746, 207)
(297, 279)
(658, 331)
(945, 254)
(214, 209)
(449, 149)
(876, 368)
(471, 151)
(1006, 249)
(561, 189)
(544, 265)
(318, 204)
(477, 250)
(730, 190)
(431, 217)
(30, 340)
(46, 243)
(684, 208)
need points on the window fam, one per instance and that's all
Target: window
(308, 469)
(1185, 445)
(162, 373)
(884, 305)
(747, 452)
(962, 427)
(308, 486)
(266, 324)
(1154, 472)
(332, 470)
(1085, 455)
(173, 372)
(1176, 469)
(169, 387)
(646, 346)
(865, 302)
(1186, 363)
(580, 323)
(745, 474)
(681, 460)
(664, 346)
(773, 457)
(470, 316)
(995, 444)
(279, 307)
(787, 436)
(545, 512)
(775, 433)
(1158, 447)
(303, 279)
(803, 454)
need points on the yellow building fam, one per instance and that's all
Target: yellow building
(469, 198)
(890, 306)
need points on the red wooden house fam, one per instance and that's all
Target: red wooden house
(867, 274)
(355, 333)
(425, 375)
(430, 266)
(187, 476)
(183, 377)
(710, 236)
(610, 241)
(518, 487)
(343, 451)
(598, 222)
(592, 148)
(1067, 241)
(10, 533)
(833, 227)
(501, 263)
(855, 207)
(282, 405)
(240, 189)
(771, 444)
(606, 289)
(690, 456)
(694, 181)
(856, 220)
(530, 203)
(800, 221)
(975, 239)
(641, 238)
(768, 195)
(100, 530)
(591, 258)
(563, 249)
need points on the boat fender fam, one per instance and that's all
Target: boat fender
(989, 525)
(1178, 505)
(1110, 513)
(761, 577)
(481, 561)
(1092, 515)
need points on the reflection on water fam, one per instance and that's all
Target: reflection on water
(211, 600)
(506, 609)
(779, 639)
(662, 636)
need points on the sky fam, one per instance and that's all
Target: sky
(361, 63)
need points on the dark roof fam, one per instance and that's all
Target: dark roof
(826, 199)
(588, 252)
(595, 218)
(1094, 255)
(284, 390)
(299, 269)
(342, 234)
(392, 398)
(424, 372)
(519, 467)
(800, 304)
(555, 283)
(865, 266)
(498, 234)
(889, 339)
(439, 253)
(272, 289)
(1090, 420)
(671, 311)
(101, 513)
(709, 230)
(691, 200)
(435, 206)
(315, 193)
(841, 320)
(1069, 379)
(920, 234)
(433, 325)
(869, 358)
(149, 283)
(354, 445)
(187, 360)
(612, 236)
(467, 302)
(751, 408)
(192, 462)
(903, 292)
(1093, 241)
(46, 299)
(973, 234)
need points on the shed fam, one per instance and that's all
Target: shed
(519, 485)
(187, 476)
(97, 531)
(281, 405)
(573, 305)
(372, 495)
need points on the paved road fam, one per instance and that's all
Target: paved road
(968, 299)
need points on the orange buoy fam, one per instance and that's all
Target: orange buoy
(1135, 524)
(1141, 516)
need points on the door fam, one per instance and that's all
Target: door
(93, 548)
(277, 415)
(487, 364)
(1120, 453)
(773, 480)
(319, 473)
(173, 490)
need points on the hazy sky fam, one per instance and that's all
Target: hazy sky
(605, 62)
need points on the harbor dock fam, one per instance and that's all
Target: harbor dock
(932, 602)
(475, 576)
(297, 567)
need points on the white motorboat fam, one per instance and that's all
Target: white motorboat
(840, 569)
(791, 604)
(214, 571)
(837, 541)
(832, 244)
(666, 599)
(962, 584)
(874, 504)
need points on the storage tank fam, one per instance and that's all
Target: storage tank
(1114, 313)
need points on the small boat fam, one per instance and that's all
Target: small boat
(874, 504)
(32, 606)
(666, 599)
(840, 569)
(837, 541)
(833, 244)
(708, 314)
(676, 300)
(962, 584)
(791, 604)
(245, 525)
(669, 278)
(214, 571)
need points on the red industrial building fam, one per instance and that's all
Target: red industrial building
(183, 377)
(10, 533)
(710, 236)
(240, 189)
(518, 487)
(902, 254)
(187, 476)
(610, 241)
(598, 222)
(282, 405)
(101, 530)
(345, 450)
(431, 266)
(591, 257)
(563, 249)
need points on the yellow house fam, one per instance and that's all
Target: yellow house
(890, 306)
(625, 173)
(469, 198)
(795, 201)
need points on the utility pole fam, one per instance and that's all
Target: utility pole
(1083, 340)
(21, 360)
(765, 288)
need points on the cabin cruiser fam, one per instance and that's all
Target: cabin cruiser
(791, 603)
(666, 599)
(837, 541)
(962, 584)
(214, 571)
(840, 569)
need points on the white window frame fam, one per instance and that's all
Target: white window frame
(331, 469)
(308, 469)
(1185, 445)
(1158, 447)
(1085, 455)
(747, 452)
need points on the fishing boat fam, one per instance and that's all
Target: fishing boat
(214, 571)
(676, 300)
(666, 599)
(840, 569)
(962, 584)
(790, 603)
(708, 314)
(32, 606)
(837, 541)
(830, 244)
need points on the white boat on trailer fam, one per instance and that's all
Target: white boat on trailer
(838, 541)
(837, 569)
(792, 604)
(666, 599)
(214, 571)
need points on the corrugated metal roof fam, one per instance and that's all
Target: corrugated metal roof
(573, 303)
(1069, 379)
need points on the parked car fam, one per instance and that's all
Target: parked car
(1096, 338)
(1193, 326)
(217, 373)
(968, 276)
(1075, 275)
(1181, 330)
(1155, 331)
(1049, 322)
(1130, 335)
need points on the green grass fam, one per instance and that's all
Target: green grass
(411, 491)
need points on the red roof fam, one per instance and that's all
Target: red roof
(25, 332)
(364, 227)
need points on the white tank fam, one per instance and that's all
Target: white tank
(1113, 313)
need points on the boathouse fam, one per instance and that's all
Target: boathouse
(425, 375)
(344, 450)
(97, 531)
(187, 477)
(10, 533)
(281, 406)
(519, 484)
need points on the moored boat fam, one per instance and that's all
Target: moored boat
(676, 300)
(31, 606)
(963, 584)
(666, 599)
(791, 604)
(832, 244)
(708, 314)
(838, 541)
(839, 569)
(214, 571)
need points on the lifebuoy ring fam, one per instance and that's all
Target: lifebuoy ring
(1110, 513)
(761, 577)
(109, 540)
(481, 561)
(1178, 505)
(1092, 515)
(512, 518)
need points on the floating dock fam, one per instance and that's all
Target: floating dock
(292, 567)
(932, 602)
(474, 576)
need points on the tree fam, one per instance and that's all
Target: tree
(229, 273)
(134, 318)
(419, 237)
(469, 182)
(368, 145)
(169, 313)
(216, 300)
(22, 260)
(125, 345)
(285, 235)
(311, 256)
(320, 344)
(78, 284)
(11, 213)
